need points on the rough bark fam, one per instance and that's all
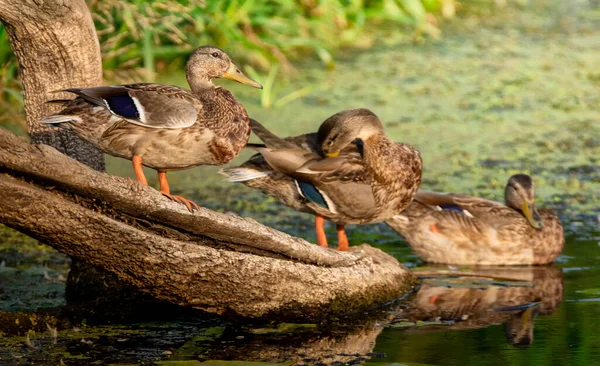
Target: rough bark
(220, 263)
(56, 45)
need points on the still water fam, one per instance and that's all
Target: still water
(546, 315)
(565, 330)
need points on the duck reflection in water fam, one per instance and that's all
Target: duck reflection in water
(518, 329)
(482, 296)
(447, 300)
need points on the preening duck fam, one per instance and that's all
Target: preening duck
(349, 172)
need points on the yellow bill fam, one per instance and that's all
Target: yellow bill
(233, 73)
(532, 215)
(332, 154)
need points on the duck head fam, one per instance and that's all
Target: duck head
(208, 63)
(520, 195)
(343, 128)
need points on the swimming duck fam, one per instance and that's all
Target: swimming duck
(164, 127)
(349, 172)
(460, 229)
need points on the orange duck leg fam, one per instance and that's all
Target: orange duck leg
(320, 229)
(137, 168)
(343, 244)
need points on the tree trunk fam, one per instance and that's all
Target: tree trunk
(56, 45)
(216, 262)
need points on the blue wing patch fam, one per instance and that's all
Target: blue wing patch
(123, 105)
(312, 194)
(451, 207)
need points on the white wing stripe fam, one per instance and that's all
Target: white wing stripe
(140, 109)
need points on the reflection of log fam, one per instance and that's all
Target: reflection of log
(472, 299)
(290, 345)
(216, 262)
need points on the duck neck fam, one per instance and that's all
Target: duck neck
(369, 151)
(199, 83)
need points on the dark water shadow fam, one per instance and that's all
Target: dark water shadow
(447, 300)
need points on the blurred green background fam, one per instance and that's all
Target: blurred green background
(143, 39)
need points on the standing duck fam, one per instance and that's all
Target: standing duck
(165, 127)
(460, 229)
(349, 172)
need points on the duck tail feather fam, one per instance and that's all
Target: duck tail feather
(242, 174)
(255, 146)
(269, 138)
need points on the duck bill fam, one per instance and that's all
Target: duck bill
(332, 154)
(532, 215)
(233, 73)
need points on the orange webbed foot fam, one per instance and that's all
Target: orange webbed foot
(191, 205)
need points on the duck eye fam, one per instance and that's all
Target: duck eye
(330, 142)
(215, 54)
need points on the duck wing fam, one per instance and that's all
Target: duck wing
(452, 200)
(287, 161)
(347, 167)
(309, 175)
(282, 155)
(145, 104)
(483, 211)
(451, 222)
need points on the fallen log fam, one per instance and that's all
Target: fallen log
(220, 263)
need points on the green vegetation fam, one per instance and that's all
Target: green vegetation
(141, 39)
(258, 32)
(11, 97)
